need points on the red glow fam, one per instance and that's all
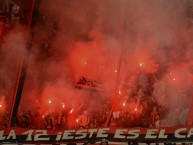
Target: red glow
(77, 120)
(141, 64)
(71, 111)
(63, 106)
(2, 105)
(172, 76)
(115, 71)
(135, 109)
(119, 92)
(49, 101)
(83, 60)
(124, 104)
(142, 61)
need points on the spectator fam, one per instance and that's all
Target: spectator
(153, 116)
(49, 121)
(84, 120)
(60, 120)
(117, 109)
(100, 118)
(15, 13)
(22, 120)
(157, 122)
(6, 6)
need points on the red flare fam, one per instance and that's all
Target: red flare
(63, 106)
(71, 111)
(141, 64)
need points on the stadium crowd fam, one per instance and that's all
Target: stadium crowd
(132, 111)
(133, 106)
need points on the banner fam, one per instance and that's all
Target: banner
(146, 135)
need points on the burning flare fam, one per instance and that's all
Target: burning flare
(141, 64)
(71, 111)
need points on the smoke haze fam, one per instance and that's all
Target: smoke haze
(100, 39)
